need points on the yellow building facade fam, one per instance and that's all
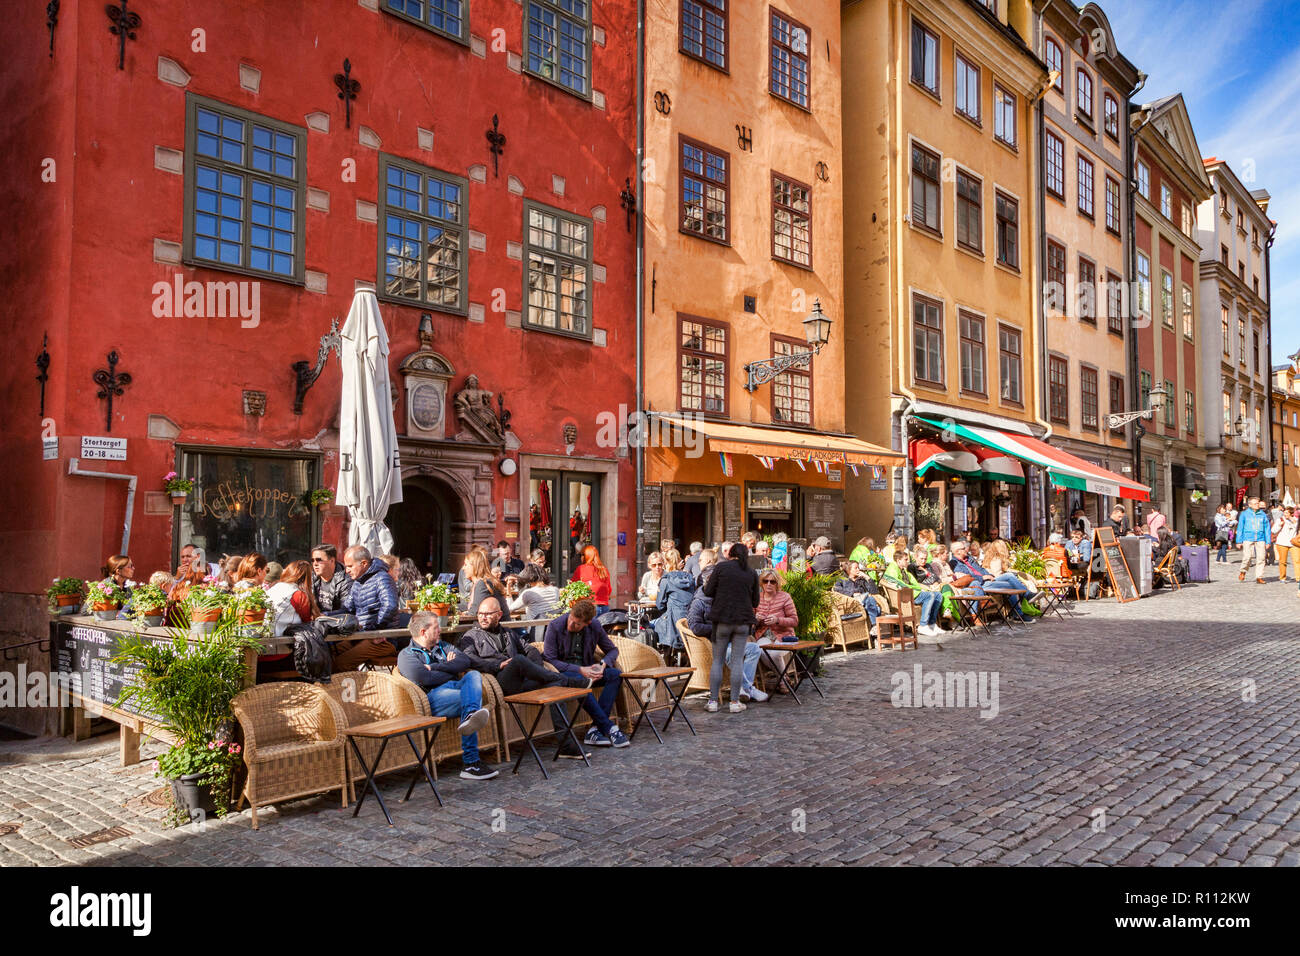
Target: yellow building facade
(941, 261)
(743, 219)
(1085, 248)
(1286, 431)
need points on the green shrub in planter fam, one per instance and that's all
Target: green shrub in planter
(812, 602)
(104, 594)
(573, 592)
(70, 589)
(146, 599)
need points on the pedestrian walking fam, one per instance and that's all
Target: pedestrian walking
(1222, 533)
(1254, 533)
(1284, 530)
(733, 586)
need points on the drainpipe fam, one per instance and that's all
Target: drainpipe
(640, 289)
(1130, 166)
(904, 309)
(1038, 523)
(74, 469)
(1268, 335)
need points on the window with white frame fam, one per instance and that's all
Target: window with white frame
(557, 251)
(1004, 115)
(1144, 180)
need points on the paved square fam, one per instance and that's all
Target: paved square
(1160, 732)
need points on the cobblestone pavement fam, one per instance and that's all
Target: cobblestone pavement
(1141, 717)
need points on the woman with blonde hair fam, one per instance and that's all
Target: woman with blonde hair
(481, 582)
(672, 560)
(596, 575)
(649, 589)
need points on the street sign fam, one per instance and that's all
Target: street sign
(1248, 472)
(1270, 472)
(49, 449)
(1214, 476)
(103, 449)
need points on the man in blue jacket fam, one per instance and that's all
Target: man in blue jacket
(454, 688)
(1254, 532)
(373, 599)
(570, 647)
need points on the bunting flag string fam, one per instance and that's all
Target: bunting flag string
(853, 468)
(799, 462)
(726, 463)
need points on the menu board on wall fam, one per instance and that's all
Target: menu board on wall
(958, 515)
(823, 514)
(731, 521)
(652, 517)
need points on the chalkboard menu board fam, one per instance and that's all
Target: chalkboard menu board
(731, 523)
(1116, 567)
(652, 517)
(82, 654)
(823, 514)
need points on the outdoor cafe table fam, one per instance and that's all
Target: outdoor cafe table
(384, 731)
(796, 661)
(1004, 606)
(401, 632)
(660, 675)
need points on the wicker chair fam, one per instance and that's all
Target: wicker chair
(699, 652)
(293, 744)
(901, 617)
(841, 633)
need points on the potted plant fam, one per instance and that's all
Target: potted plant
(64, 595)
(177, 487)
(105, 598)
(250, 605)
(437, 598)
(320, 498)
(148, 605)
(573, 592)
(206, 603)
(812, 602)
(186, 688)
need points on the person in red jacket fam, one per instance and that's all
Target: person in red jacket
(594, 572)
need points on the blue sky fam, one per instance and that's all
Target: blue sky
(1237, 64)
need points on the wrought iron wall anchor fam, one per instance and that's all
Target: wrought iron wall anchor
(111, 382)
(124, 25)
(52, 21)
(503, 414)
(628, 200)
(43, 364)
(663, 102)
(496, 143)
(823, 172)
(306, 375)
(745, 138)
(348, 88)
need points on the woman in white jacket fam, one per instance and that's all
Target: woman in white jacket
(1284, 530)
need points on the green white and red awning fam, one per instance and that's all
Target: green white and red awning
(964, 460)
(1064, 469)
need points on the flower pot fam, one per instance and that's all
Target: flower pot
(442, 610)
(324, 506)
(253, 616)
(178, 498)
(67, 600)
(105, 612)
(190, 797)
(153, 620)
(205, 616)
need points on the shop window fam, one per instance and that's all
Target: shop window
(244, 502)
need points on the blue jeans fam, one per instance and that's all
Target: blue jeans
(460, 698)
(1223, 551)
(599, 710)
(930, 603)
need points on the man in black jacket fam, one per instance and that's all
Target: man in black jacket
(822, 557)
(515, 663)
(453, 687)
(329, 581)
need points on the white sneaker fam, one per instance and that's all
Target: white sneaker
(711, 707)
(737, 706)
(757, 696)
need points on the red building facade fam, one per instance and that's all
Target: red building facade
(207, 210)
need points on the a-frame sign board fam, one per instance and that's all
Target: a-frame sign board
(1121, 578)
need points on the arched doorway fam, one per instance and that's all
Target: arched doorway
(421, 524)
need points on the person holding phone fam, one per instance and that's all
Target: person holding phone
(570, 647)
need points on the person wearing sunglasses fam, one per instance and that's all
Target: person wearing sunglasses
(328, 581)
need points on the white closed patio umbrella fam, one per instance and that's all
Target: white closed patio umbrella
(370, 477)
